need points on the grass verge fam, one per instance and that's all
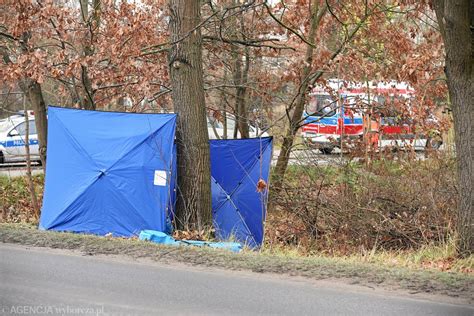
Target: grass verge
(368, 274)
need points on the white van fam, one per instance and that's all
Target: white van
(12, 139)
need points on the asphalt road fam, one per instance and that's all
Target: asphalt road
(52, 281)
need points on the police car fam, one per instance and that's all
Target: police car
(12, 138)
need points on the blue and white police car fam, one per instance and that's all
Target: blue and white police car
(12, 138)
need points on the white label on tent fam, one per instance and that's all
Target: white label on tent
(160, 178)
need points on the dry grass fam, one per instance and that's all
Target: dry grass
(432, 258)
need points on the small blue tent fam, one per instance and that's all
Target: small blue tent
(238, 208)
(107, 171)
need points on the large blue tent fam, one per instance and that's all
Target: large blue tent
(107, 172)
(239, 209)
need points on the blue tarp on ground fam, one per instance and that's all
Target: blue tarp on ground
(106, 171)
(238, 208)
(165, 239)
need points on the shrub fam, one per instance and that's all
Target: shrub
(391, 204)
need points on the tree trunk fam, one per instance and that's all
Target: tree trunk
(29, 177)
(33, 92)
(288, 139)
(193, 209)
(454, 18)
(223, 102)
(240, 76)
(93, 19)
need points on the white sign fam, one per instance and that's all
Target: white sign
(160, 178)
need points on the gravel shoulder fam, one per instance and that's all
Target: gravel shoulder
(454, 287)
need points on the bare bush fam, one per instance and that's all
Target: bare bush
(401, 204)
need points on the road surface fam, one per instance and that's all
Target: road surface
(311, 157)
(47, 281)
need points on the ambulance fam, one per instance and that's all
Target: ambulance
(341, 113)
